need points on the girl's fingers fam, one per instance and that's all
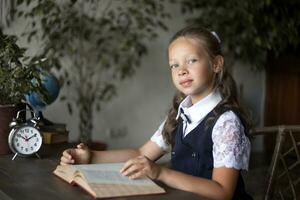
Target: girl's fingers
(132, 169)
(61, 163)
(126, 165)
(131, 162)
(64, 161)
(138, 174)
(67, 157)
(67, 154)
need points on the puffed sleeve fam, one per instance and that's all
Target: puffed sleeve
(231, 147)
(158, 138)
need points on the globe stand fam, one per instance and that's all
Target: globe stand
(39, 114)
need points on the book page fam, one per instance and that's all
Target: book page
(105, 180)
(100, 166)
(109, 174)
(65, 172)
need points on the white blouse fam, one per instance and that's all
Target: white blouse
(231, 147)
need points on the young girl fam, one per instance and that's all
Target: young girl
(205, 128)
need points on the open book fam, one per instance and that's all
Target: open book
(105, 180)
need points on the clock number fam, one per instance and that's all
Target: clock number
(26, 130)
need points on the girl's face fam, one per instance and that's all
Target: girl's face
(190, 68)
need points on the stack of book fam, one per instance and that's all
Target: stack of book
(54, 133)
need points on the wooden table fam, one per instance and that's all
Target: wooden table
(32, 178)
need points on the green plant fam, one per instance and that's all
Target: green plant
(15, 77)
(250, 30)
(100, 42)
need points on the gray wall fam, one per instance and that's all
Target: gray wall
(251, 85)
(132, 117)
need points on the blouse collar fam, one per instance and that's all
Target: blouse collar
(195, 113)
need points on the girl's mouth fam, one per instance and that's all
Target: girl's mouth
(186, 83)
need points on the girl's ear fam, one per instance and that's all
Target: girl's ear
(218, 63)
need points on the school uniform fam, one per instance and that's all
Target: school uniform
(207, 136)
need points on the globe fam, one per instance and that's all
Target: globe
(51, 85)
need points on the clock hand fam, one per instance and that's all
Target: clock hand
(22, 137)
(31, 137)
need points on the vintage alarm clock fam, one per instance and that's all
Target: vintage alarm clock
(25, 138)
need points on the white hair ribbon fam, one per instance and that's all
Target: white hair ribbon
(216, 36)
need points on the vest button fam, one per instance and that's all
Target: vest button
(193, 154)
(173, 152)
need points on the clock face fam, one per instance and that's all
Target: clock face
(27, 140)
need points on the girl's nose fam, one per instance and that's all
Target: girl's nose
(182, 71)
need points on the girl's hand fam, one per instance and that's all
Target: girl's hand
(141, 166)
(79, 155)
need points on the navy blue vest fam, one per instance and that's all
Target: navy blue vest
(192, 154)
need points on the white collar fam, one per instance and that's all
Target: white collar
(201, 108)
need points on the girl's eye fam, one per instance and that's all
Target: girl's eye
(174, 66)
(191, 61)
